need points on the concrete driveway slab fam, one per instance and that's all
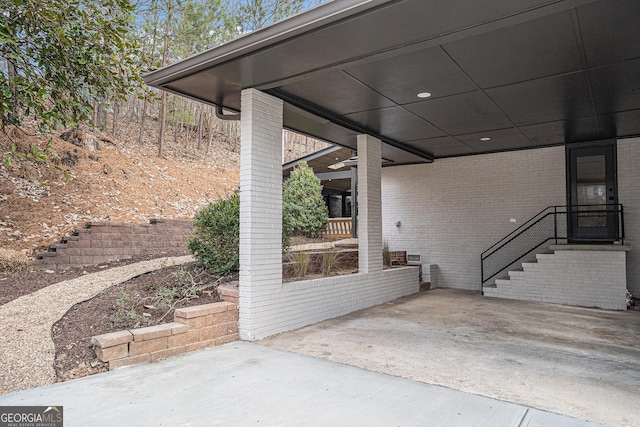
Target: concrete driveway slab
(242, 384)
(580, 362)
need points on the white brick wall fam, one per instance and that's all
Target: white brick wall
(302, 303)
(629, 196)
(369, 204)
(453, 209)
(260, 205)
(267, 306)
(586, 278)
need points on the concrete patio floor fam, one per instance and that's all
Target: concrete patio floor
(242, 384)
(580, 362)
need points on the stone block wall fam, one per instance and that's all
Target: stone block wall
(102, 242)
(193, 328)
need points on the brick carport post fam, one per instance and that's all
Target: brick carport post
(260, 211)
(369, 204)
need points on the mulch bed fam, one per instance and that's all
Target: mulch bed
(132, 304)
(128, 305)
(18, 283)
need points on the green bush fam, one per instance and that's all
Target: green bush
(303, 208)
(216, 237)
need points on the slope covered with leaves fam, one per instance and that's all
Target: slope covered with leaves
(121, 181)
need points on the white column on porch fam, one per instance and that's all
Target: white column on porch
(260, 208)
(369, 204)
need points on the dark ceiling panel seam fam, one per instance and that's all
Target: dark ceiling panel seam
(427, 42)
(583, 58)
(503, 150)
(394, 103)
(345, 123)
(485, 94)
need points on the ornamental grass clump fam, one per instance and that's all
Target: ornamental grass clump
(330, 260)
(301, 261)
(386, 255)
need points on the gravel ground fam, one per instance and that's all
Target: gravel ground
(26, 349)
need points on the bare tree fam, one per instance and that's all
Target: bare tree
(163, 101)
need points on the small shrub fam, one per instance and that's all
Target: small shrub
(330, 259)
(386, 255)
(216, 238)
(303, 208)
(301, 264)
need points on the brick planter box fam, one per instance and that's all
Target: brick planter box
(193, 328)
(346, 259)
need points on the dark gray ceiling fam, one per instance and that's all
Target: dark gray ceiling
(524, 73)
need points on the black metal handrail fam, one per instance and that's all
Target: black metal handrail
(547, 225)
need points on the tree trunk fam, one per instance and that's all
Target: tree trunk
(175, 119)
(210, 129)
(200, 130)
(12, 74)
(163, 105)
(115, 117)
(142, 120)
(101, 115)
(146, 94)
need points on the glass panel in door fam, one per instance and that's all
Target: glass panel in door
(592, 194)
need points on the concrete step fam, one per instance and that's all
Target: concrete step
(490, 290)
(79, 231)
(56, 246)
(503, 281)
(544, 256)
(518, 272)
(70, 239)
(530, 265)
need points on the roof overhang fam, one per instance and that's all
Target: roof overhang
(524, 73)
(328, 166)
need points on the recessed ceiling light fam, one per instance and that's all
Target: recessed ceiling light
(424, 95)
(485, 138)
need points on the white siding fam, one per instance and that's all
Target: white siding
(629, 196)
(453, 209)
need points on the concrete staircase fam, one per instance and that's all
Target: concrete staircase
(501, 287)
(100, 242)
(582, 275)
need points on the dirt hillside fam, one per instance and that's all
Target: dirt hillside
(111, 178)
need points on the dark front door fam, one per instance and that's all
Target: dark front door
(592, 192)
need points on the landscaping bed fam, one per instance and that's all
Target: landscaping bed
(149, 299)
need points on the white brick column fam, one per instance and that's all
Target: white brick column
(260, 208)
(369, 204)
